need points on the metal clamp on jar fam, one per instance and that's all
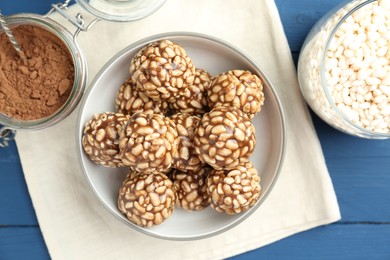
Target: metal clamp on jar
(118, 10)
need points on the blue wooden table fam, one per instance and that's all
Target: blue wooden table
(360, 170)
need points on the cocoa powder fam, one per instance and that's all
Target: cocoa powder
(39, 85)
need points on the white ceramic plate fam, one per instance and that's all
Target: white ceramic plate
(215, 56)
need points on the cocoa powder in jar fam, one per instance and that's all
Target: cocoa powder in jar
(35, 87)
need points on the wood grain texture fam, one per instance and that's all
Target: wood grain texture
(298, 17)
(347, 241)
(15, 203)
(344, 242)
(28, 6)
(22, 243)
(363, 190)
(19, 6)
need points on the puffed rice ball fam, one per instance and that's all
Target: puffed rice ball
(238, 88)
(193, 100)
(162, 69)
(225, 138)
(148, 142)
(147, 199)
(234, 191)
(186, 157)
(191, 188)
(129, 100)
(100, 139)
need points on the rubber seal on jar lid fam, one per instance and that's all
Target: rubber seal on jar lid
(121, 10)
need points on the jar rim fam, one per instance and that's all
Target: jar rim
(358, 4)
(121, 11)
(80, 72)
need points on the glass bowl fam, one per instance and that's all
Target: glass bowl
(313, 74)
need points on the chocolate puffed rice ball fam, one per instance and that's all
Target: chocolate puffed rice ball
(225, 138)
(186, 157)
(238, 88)
(162, 69)
(193, 100)
(191, 188)
(101, 138)
(148, 142)
(234, 191)
(129, 100)
(147, 199)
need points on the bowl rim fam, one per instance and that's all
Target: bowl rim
(168, 35)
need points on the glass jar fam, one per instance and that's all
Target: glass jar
(121, 10)
(315, 71)
(137, 9)
(80, 71)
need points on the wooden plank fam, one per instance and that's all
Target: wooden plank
(22, 6)
(22, 243)
(360, 241)
(298, 17)
(9, 154)
(354, 241)
(16, 206)
(295, 56)
(363, 188)
(336, 144)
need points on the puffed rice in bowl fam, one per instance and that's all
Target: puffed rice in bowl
(344, 68)
(215, 56)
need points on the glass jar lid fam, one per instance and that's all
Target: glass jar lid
(121, 10)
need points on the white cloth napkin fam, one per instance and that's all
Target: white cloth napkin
(76, 226)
